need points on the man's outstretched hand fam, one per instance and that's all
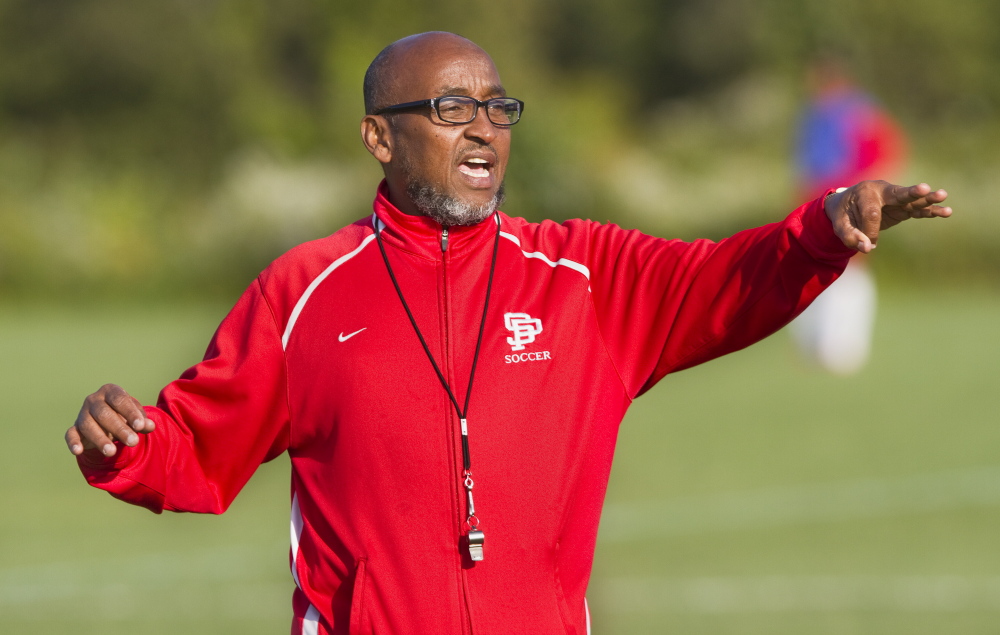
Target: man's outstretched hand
(860, 212)
(107, 415)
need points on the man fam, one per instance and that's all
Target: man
(448, 380)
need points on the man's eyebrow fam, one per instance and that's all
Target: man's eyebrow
(495, 89)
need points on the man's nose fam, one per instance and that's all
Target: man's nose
(481, 127)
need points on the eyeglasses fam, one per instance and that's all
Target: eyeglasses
(502, 111)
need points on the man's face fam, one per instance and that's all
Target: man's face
(461, 162)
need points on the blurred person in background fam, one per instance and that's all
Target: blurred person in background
(356, 354)
(844, 136)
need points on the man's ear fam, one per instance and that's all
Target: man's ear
(377, 137)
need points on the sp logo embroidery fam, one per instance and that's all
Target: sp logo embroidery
(524, 328)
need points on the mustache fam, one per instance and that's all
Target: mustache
(479, 147)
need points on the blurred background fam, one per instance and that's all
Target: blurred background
(154, 156)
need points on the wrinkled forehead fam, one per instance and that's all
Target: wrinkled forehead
(448, 68)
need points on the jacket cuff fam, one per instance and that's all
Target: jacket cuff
(818, 236)
(94, 461)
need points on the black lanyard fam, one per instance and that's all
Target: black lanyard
(475, 537)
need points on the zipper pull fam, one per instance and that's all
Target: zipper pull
(444, 239)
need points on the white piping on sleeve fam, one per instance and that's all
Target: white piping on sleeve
(315, 283)
(566, 262)
(310, 623)
(586, 610)
(296, 535)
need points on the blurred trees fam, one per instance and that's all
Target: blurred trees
(188, 142)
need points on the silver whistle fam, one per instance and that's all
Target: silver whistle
(476, 539)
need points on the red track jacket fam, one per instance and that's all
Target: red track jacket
(318, 359)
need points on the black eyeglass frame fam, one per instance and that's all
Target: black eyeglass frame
(435, 101)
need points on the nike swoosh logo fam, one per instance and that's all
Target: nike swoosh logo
(344, 338)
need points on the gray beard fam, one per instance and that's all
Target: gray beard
(450, 211)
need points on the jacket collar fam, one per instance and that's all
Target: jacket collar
(421, 235)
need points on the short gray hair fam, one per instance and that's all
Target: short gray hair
(377, 79)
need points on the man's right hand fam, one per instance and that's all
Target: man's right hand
(107, 415)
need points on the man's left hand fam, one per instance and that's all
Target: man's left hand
(860, 212)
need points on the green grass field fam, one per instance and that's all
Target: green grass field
(751, 495)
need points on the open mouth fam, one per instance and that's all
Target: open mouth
(475, 167)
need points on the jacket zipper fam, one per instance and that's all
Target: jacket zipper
(464, 608)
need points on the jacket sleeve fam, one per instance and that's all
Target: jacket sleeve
(666, 305)
(214, 425)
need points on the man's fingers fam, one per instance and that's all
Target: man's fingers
(913, 197)
(144, 424)
(851, 236)
(93, 435)
(864, 244)
(108, 415)
(112, 422)
(856, 239)
(931, 211)
(870, 221)
(125, 405)
(74, 442)
(937, 196)
(903, 195)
